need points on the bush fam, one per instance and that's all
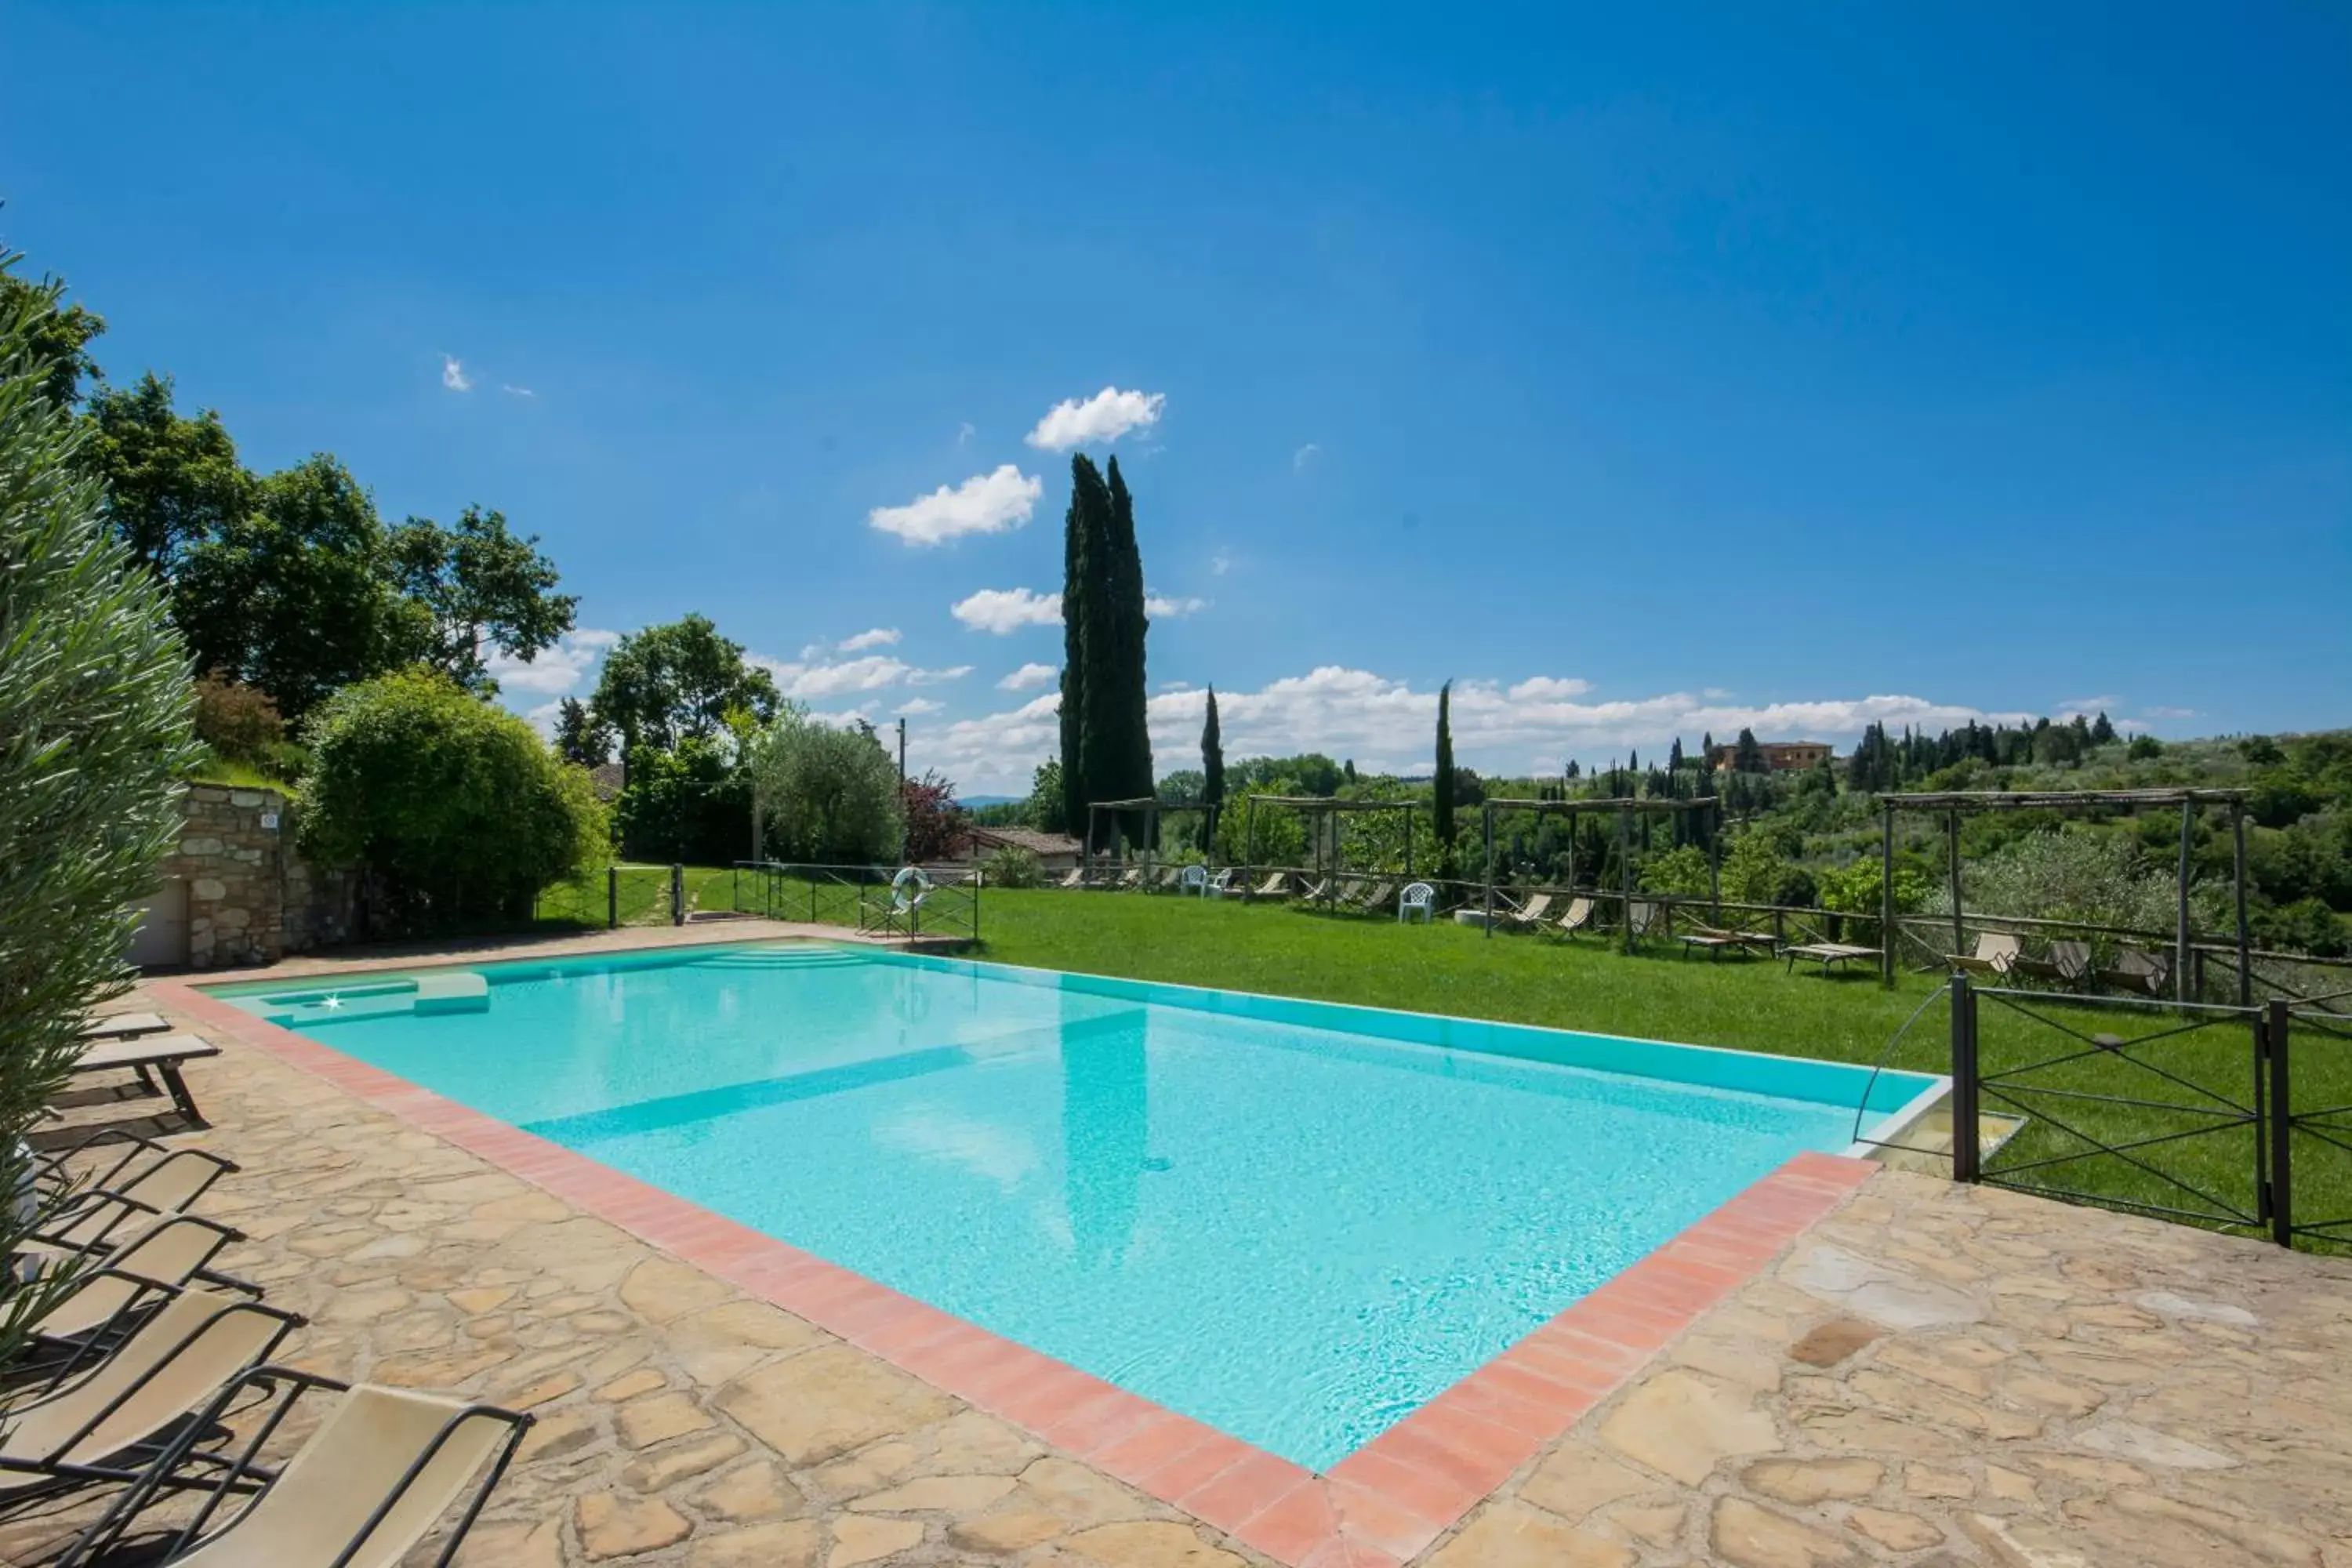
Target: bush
(456, 810)
(94, 728)
(237, 720)
(1014, 866)
(2078, 874)
(688, 806)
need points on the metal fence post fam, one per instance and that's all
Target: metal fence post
(677, 895)
(612, 897)
(2276, 1025)
(1967, 1164)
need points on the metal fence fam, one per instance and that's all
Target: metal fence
(877, 901)
(623, 895)
(2235, 1117)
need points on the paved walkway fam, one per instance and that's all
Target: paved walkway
(1930, 1375)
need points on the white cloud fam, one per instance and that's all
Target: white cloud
(915, 706)
(543, 717)
(454, 376)
(1106, 416)
(556, 670)
(965, 432)
(1221, 562)
(1548, 688)
(880, 637)
(1387, 725)
(1027, 676)
(2169, 713)
(984, 503)
(1304, 456)
(1175, 686)
(805, 681)
(509, 388)
(1160, 607)
(1005, 610)
(2088, 707)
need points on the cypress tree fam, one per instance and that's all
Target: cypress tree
(1125, 707)
(1078, 530)
(1441, 816)
(1213, 767)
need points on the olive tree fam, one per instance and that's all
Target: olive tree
(94, 726)
(825, 796)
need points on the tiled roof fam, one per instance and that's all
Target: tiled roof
(1027, 838)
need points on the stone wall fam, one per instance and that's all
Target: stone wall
(251, 897)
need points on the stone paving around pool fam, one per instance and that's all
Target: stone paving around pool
(1930, 1375)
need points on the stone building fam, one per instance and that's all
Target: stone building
(235, 891)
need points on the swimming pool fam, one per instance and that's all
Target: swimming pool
(1296, 1222)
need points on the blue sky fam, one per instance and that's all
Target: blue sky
(1645, 373)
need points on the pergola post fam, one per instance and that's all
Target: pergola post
(1952, 854)
(1489, 813)
(1886, 895)
(2238, 844)
(2180, 935)
(1714, 866)
(1625, 876)
(1249, 831)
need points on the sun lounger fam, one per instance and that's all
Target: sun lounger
(1131, 877)
(379, 1472)
(161, 1053)
(2135, 970)
(102, 1218)
(104, 1424)
(2070, 960)
(1277, 883)
(1716, 941)
(158, 1260)
(1641, 917)
(124, 1026)
(1315, 893)
(1829, 955)
(1997, 952)
(1077, 878)
(1528, 916)
(1374, 898)
(1577, 917)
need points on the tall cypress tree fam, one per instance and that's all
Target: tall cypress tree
(1127, 752)
(1440, 814)
(1080, 527)
(1212, 769)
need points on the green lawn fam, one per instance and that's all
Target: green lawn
(1746, 1004)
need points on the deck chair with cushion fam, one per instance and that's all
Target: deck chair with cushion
(1528, 916)
(1997, 952)
(2136, 969)
(379, 1472)
(160, 1055)
(1577, 917)
(109, 1422)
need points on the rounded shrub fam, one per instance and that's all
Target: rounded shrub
(1013, 867)
(456, 811)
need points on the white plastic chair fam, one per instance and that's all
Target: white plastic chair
(1419, 899)
(1196, 881)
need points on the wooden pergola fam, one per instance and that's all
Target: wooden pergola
(1151, 806)
(1321, 806)
(1954, 803)
(1625, 807)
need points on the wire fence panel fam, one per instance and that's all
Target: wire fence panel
(2234, 1118)
(880, 901)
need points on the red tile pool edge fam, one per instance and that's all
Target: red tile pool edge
(1378, 1508)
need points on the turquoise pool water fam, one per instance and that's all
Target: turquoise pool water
(1294, 1221)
